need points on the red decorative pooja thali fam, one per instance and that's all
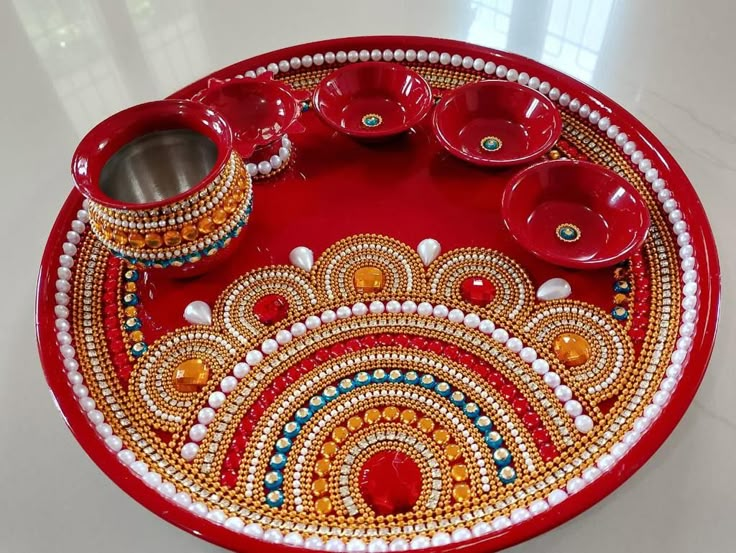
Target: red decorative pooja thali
(350, 341)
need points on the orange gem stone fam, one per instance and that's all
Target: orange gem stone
(391, 413)
(459, 473)
(461, 492)
(368, 280)
(130, 287)
(237, 196)
(130, 311)
(572, 349)
(219, 216)
(354, 423)
(120, 238)
(136, 336)
(371, 416)
(322, 467)
(229, 205)
(172, 238)
(319, 487)
(189, 233)
(205, 225)
(329, 449)
(441, 436)
(191, 376)
(426, 425)
(323, 505)
(153, 240)
(453, 452)
(408, 416)
(136, 240)
(621, 299)
(340, 434)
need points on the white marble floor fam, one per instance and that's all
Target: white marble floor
(66, 64)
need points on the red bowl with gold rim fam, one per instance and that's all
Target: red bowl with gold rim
(496, 123)
(165, 189)
(373, 100)
(575, 214)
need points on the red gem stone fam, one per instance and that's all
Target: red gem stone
(496, 380)
(521, 406)
(337, 350)
(477, 290)
(466, 359)
(452, 353)
(548, 452)
(271, 309)
(540, 435)
(532, 420)
(402, 340)
(435, 347)
(390, 482)
(386, 340)
(368, 341)
(508, 391)
(418, 342)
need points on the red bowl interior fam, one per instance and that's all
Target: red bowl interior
(399, 95)
(258, 111)
(612, 217)
(116, 131)
(525, 121)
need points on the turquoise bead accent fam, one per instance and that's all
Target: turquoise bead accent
(620, 313)
(275, 499)
(471, 410)
(345, 385)
(507, 475)
(457, 398)
(427, 381)
(273, 480)
(411, 377)
(283, 445)
(494, 440)
(278, 461)
(443, 389)
(291, 429)
(379, 375)
(395, 376)
(303, 415)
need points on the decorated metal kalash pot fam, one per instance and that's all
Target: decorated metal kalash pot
(165, 189)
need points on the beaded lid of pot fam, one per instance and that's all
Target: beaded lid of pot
(368, 392)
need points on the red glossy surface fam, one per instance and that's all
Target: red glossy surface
(271, 308)
(404, 475)
(527, 123)
(395, 92)
(417, 187)
(259, 110)
(477, 290)
(611, 215)
(119, 129)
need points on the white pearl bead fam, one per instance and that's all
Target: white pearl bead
(501, 523)
(445, 58)
(234, 523)
(216, 399)
(552, 379)
(501, 71)
(283, 337)
(64, 338)
(422, 56)
(355, 545)
(104, 429)
(399, 55)
(78, 227)
(393, 306)
(353, 56)
(524, 78)
(206, 415)
(253, 357)
(540, 366)
(312, 322)
(73, 237)
(275, 161)
(273, 536)
(456, 60)
(86, 403)
(500, 335)
(637, 157)
(314, 542)
(471, 320)
(420, 542)
(621, 139)
(584, 423)
(360, 309)
(544, 87)
(409, 307)
(67, 351)
(440, 539)
(388, 55)
(433, 57)
(249, 74)
(514, 344)
(612, 131)
(318, 59)
(564, 99)
(489, 68)
(604, 124)
(228, 384)
(343, 312)
(95, 417)
(538, 506)
(273, 68)
(306, 60)
(594, 117)
(675, 216)
(574, 105)
(126, 457)
(253, 530)
(629, 147)
(328, 316)
(486, 326)
(376, 307)
(377, 546)
(512, 75)
(455, 316)
(661, 398)
(81, 391)
(63, 286)
(573, 408)
(556, 497)
(440, 311)
(364, 55)
(534, 83)
(264, 167)
(341, 56)
(411, 55)
(330, 57)
(467, 62)
(424, 309)
(66, 261)
(687, 264)
(197, 432)
(269, 346)
(520, 515)
(284, 66)
(481, 529)
(74, 377)
(658, 185)
(651, 175)
(69, 248)
(606, 462)
(682, 239)
(528, 355)
(478, 64)
(563, 393)
(252, 169)
(554, 94)
(71, 364)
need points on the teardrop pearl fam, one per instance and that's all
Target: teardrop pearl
(302, 257)
(428, 249)
(198, 313)
(554, 289)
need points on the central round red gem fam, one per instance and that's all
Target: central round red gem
(271, 309)
(477, 290)
(390, 482)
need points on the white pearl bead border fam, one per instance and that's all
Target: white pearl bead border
(604, 463)
(276, 161)
(583, 423)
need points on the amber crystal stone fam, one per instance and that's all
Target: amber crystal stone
(172, 238)
(153, 240)
(189, 233)
(368, 279)
(572, 349)
(191, 376)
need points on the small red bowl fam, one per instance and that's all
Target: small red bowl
(575, 214)
(259, 110)
(373, 99)
(496, 123)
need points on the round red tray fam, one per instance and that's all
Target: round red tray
(394, 194)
